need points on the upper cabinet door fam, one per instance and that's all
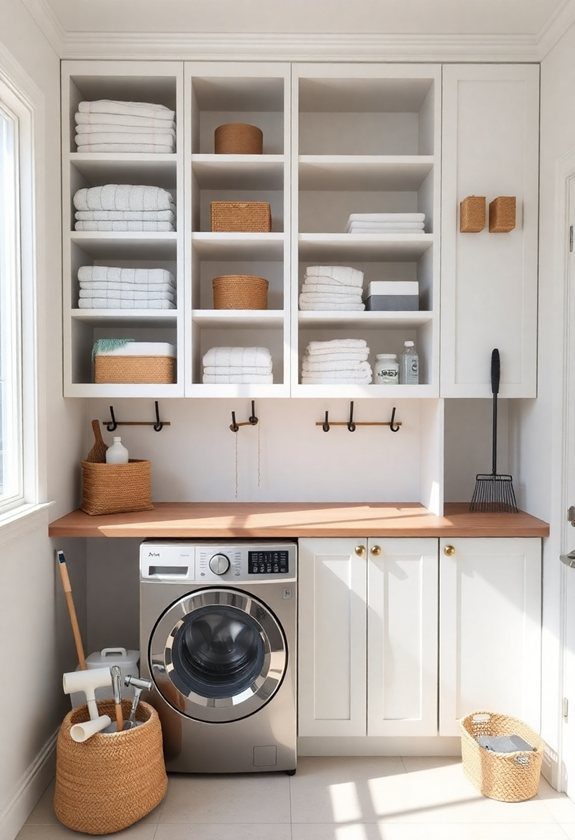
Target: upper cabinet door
(490, 148)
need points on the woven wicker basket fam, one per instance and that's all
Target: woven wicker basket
(238, 139)
(135, 369)
(240, 291)
(112, 780)
(510, 777)
(116, 488)
(241, 216)
(472, 214)
(502, 214)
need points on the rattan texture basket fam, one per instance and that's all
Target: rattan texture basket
(240, 291)
(116, 488)
(241, 216)
(509, 777)
(112, 780)
(238, 139)
(131, 370)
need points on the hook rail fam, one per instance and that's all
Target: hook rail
(352, 425)
(112, 424)
(251, 421)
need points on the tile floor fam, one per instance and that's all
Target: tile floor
(337, 799)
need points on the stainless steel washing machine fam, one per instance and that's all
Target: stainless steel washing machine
(218, 638)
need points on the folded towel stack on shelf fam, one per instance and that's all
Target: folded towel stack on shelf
(109, 287)
(242, 365)
(111, 126)
(332, 287)
(342, 361)
(386, 223)
(130, 207)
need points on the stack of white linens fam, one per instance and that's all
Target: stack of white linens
(124, 207)
(109, 287)
(342, 361)
(386, 223)
(110, 126)
(334, 287)
(244, 365)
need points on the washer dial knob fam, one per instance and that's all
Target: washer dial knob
(219, 564)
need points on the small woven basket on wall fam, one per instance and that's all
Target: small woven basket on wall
(240, 291)
(509, 777)
(112, 780)
(241, 216)
(238, 139)
(116, 488)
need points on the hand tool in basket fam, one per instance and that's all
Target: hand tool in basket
(493, 492)
(116, 673)
(138, 685)
(97, 454)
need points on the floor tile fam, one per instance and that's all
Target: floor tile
(43, 813)
(444, 831)
(559, 806)
(569, 829)
(139, 831)
(253, 798)
(223, 832)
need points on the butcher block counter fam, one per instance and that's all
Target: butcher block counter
(290, 519)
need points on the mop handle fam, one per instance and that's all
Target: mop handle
(67, 587)
(495, 377)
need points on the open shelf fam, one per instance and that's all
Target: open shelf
(264, 172)
(363, 319)
(127, 317)
(126, 244)
(363, 172)
(241, 246)
(363, 246)
(123, 168)
(239, 317)
(336, 391)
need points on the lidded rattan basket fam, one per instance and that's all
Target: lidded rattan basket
(238, 139)
(241, 216)
(116, 488)
(240, 291)
(112, 780)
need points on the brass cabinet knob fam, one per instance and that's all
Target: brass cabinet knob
(360, 550)
(449, 550)
(376, 550)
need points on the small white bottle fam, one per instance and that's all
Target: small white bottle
(409, 365)
(117, 452)
(386, 369)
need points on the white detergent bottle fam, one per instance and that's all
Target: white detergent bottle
(117, 452)
(409, 365)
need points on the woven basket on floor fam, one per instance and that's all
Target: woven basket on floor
(240, 291)
(116, 488)
(158, 370)
(241, 216)
(510, 777)
(112, 780)
(238, 139)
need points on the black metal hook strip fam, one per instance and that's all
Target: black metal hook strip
(112, 424)
(394, 426)
(251, 421)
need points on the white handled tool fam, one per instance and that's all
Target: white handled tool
(80, 732)
(138, 685)
(117, 686)
(87, 682)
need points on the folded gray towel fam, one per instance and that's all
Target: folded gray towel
(504, 743)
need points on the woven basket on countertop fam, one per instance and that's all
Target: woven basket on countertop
(157, 370)
(116, 488)
(238, 139)
(112, 780)
(240, 291)
(510, 777)
(241, 216)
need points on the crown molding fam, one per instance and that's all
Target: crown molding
(48, 24)
(200, 46)
(556, 27)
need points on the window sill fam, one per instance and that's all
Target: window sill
(22, 519)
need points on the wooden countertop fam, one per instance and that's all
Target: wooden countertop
(289, 519)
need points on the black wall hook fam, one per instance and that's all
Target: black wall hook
(251, 421)
(351, 427)
(112, 424)
(393, 427)
(158, 425)
(325, 424)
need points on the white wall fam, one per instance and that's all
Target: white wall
(33, 627)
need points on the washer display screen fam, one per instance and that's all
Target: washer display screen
(268, 562)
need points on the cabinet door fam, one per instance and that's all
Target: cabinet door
(402, 637)
(489, 629)
(489, 280)
(332, 612)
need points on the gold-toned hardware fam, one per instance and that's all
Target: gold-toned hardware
(449, 550)
(360, 550)
(376, 550)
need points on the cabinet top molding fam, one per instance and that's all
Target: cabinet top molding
(291, 519)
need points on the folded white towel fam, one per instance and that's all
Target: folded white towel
(127, 120)
(379, 232)
(336, 344)
(238, 357)
(318, 297)
(123, 197)
(154, 137)
(87, 131)
(386, 217)
(344, 379)
(127, 288)
(353, 357)
(337, 274)
(114, 303)
(306, 306)
(122, 295)
(316, 368)
(385, 225)
(137, 109)
(141, 348)
(239, 378)
(222, 370)
(334, 289)
(114, 273)
(125, 216)
(119, 225)
(144, 148)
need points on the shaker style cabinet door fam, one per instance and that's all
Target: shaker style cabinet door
(402, 637)
(489, 629)
(332, 621)
(489, 280)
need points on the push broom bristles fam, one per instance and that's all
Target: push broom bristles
(493, 494)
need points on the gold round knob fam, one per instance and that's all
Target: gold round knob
(360, 550)
(376, 550)
(449, 550)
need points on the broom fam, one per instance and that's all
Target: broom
(494, 493)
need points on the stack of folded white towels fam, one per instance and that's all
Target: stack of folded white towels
(124, 207)
(341, 361)
(109, 287)
(110, 126)
(244, 365)
(386, 223)
(333, 287)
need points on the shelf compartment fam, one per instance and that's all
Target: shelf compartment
(123, 168)
(263, 172)
(241, 246)
(126, 244)
(360, 320)
(238, 317)
(363, 246)
(364, 172)
(222, 333)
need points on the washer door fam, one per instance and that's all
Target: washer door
(217, 655)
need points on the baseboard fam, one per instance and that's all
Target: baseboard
(432, 746)
(28, 790)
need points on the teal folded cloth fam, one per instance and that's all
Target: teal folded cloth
(104, 345)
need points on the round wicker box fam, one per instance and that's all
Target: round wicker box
(112, 780)
(238, 139)
(240, 291)
(116, 488)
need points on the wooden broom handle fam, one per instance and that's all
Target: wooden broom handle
(67, 586)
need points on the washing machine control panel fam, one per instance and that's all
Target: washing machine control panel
(206, 562)
(268, 562)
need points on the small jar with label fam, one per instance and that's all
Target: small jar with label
(386, 369)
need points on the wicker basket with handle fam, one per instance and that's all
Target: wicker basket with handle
(510, 777)
(241, 216)
(116, 488)
(112, 780)
(238, 139)
(240, 291)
